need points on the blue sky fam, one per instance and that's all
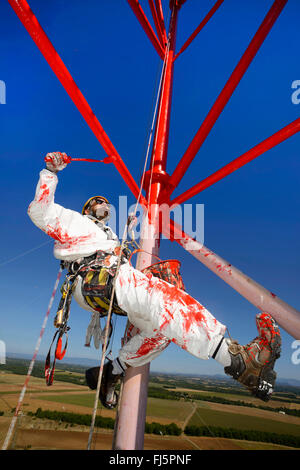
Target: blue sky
(251, 217)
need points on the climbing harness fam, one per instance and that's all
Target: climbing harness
(97, 281)
(97, 272)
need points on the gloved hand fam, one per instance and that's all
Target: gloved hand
(56, 161)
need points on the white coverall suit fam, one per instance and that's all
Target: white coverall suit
(159, 311)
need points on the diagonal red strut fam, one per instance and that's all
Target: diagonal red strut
(157, 23)
(30, 22)
(139, 13)
(200, 27)
(161, 18)
(227, 92)
(238, 162)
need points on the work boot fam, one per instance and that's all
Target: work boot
(107, 395)
(253, 364)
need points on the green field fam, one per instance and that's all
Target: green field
(80, 399)
(163, 406)
(206, 417)
(169, 409)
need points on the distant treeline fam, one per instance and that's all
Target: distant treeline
(73, 418)
(248, 435)
(225, 401)
(20, 367)
(226, 387)
(101, 422)
(158, 428)
(172, 429)
(156, 392)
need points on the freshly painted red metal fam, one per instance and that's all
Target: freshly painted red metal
(263, 299)
(227, 92)
(157, 23)
(139, 13)
(200, 27)
(161, 138)
(238, 162)
(161, 20)
(132, 411)
(28, 19)
(92, 160)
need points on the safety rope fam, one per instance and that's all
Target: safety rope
(24, 253)
(23, 391)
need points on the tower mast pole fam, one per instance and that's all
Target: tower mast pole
(130, 425)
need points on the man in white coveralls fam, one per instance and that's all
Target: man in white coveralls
(159, 311)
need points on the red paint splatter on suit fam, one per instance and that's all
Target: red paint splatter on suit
(63, 238)
(149, 344)
(167, 318)
(45, 193)
(191, 311)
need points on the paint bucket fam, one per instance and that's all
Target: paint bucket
(168, 271)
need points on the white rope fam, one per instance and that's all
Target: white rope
(23, 391)
(24, 253)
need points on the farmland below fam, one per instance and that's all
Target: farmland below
(183, 412)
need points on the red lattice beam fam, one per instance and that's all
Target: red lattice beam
(227, 91)
(238, 162)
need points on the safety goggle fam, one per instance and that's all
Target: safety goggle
(98, 200)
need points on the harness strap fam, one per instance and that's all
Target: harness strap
(60, 322)
(49, 371)
(100, 303)
(59, 354)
